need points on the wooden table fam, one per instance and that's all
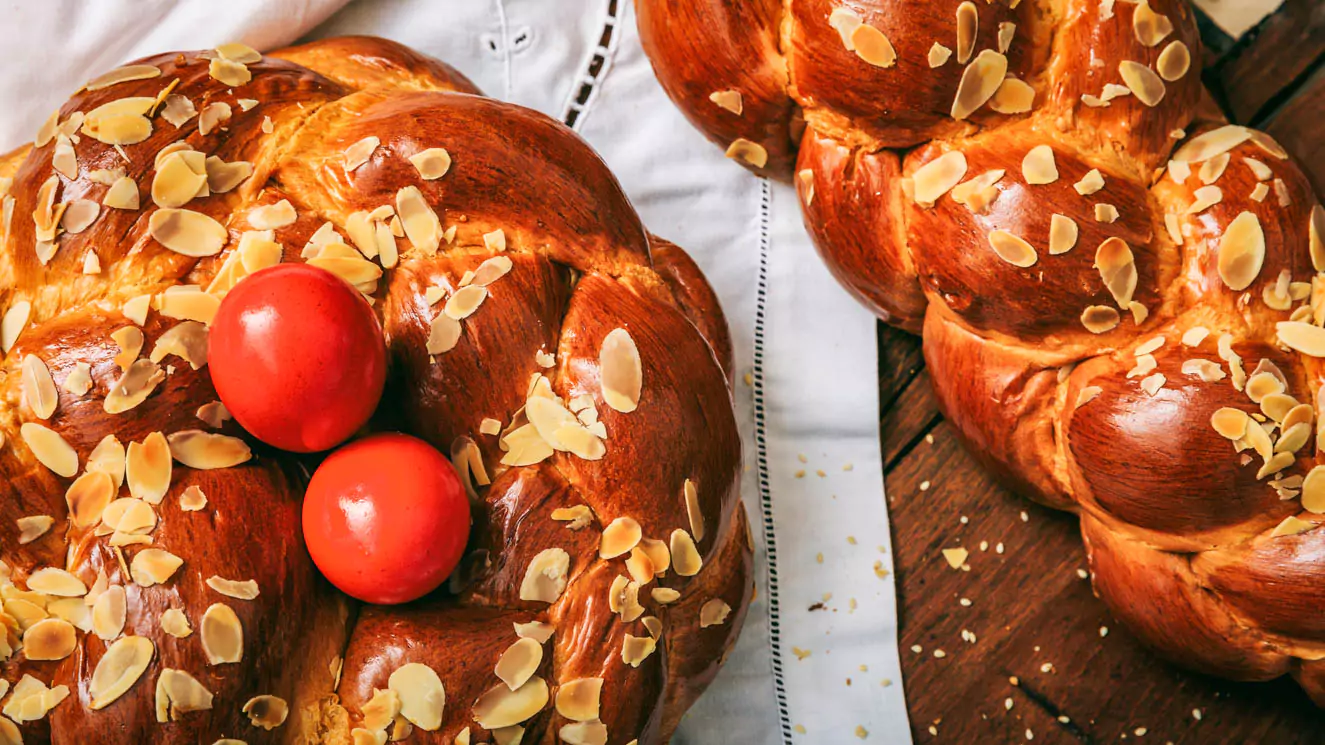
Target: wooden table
(1080, 678)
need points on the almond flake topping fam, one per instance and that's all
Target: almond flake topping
(747, 152)
(536, 630)
(443, 334)
(14, 322)
(31, 700)
(465, 301)
(729, 100)
(519, 662)
(118, 669)
(694, 511)
(581, 733)
(1013, 97)
(1174, 61)
(1117, 268)
(187, 232)
(272, 216)
(178, 693)
(622, 371)
(122, 75)
(714, 613)
(1062, 234)
(1316, 237)
(153, 566)
(175, 623)
(79, 380)
(1306, 338)
(636, 649)
(980, 81)
(1089, 184)
(360, 152)
(502, 707)
(148, 468)
(38, 387)
(33, 527)
(545, 578)
(419, 220)
(619, 537)
(978, 193)
(1206, 197)
(938, 177)
(192, 499)
(1292, 526)
(1212, 143)
(685, 557)
(178, 109)
(1038, 166)
(968, 25)
(1099, 318)
(1012, 249)
(1241, 251)
(229, 72)
(1313, 491)
(1212, 169)
(49, 639)
(58, 582)
(432, 163)
(88, 496)
(939, 55)
(1150, 27)
(222, 635)
(238, 589)
(578, 700)
(206, 451)
(79, 215)
(212, 116)
(873, 47)
(267, 712)
(1143, 82)
(50, 449)
(180, 176)
(576, 517)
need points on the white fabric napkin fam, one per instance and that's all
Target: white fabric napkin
(818, 656)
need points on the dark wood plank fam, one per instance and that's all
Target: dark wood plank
(1264, 66)
(1298, 125)
(899, 361)
(1029, 607)
(913, 413)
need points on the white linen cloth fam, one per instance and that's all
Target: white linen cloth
(806, 396)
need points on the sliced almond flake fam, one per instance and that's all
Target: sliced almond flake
(1144, 82)
(187, 232)
(178, 693)
(91, 263)
(88, 496)
(1088, 394)
(109, 611)
(180, 176)
(502, 707)
(153, 566)
(1099, 318)
(1139, 312)
(175, 623)
(148, 468)
(354, 270)
(576, 517)
(980, 81)
(872, 46)
(443, 334)
(1204, 370)
(434, 162)
(1260, 192)
(273, 216)
(491, 270)
(1151, 345)
(640, 566)
(419, 220)
(1174, 62)
(1179, 171)
(38, 388)
(64, 160)
(1195, 335)
(1153, 383)
(1313, 491)
(136, 308)
(938, 177)
(133, 388)
(239, 52)
(729, 100)
(545, 360)
(713, 613)
(978, 193)
(57, 582)
(1038, 166)
(545, 578)
(108, 457)
(118, 669)
(1062, 234)
(205, 451)
(1241, 251)
(1117, 268)
(1006, 31)
(536, 630)
(1174, 228)
(213, 414)
(747, 152)
(238, 589)
(1212, 143)
(844, 21)
(939, 55)
(33, 527)
(685, 557)
(1316, 237)
(187, 340)
(622, 371)
(213, 115)
(1013, 97)
(1212, 169)
(266, 711)
(525, 447)
(1150, 27)
(1291, 526)
(267, 127)
(1091, 183)
(968, 25)
(229, 72)
(1206, 197)
(360, 152)
(123, 75)
(1281, 191)
(223, 177)
(178, 110)
(579, 699)
(665, 595)
(192, 305)
(519, 662)
(465, 301)
(619, 537)
(1306, 338)
(50, 449)
(1145, 364)
(1012, 249)
(192, 499)
(381, 710)
(130, 341)
(14, 322)
(636, 649)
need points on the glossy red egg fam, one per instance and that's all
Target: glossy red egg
(298, 357)
(386, 518)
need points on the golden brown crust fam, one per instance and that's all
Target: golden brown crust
(520, 188)
(1098, 274)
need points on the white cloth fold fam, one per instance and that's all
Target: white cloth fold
(806, 396)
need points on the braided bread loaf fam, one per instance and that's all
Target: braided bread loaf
(609, 568)
(1119, 296)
